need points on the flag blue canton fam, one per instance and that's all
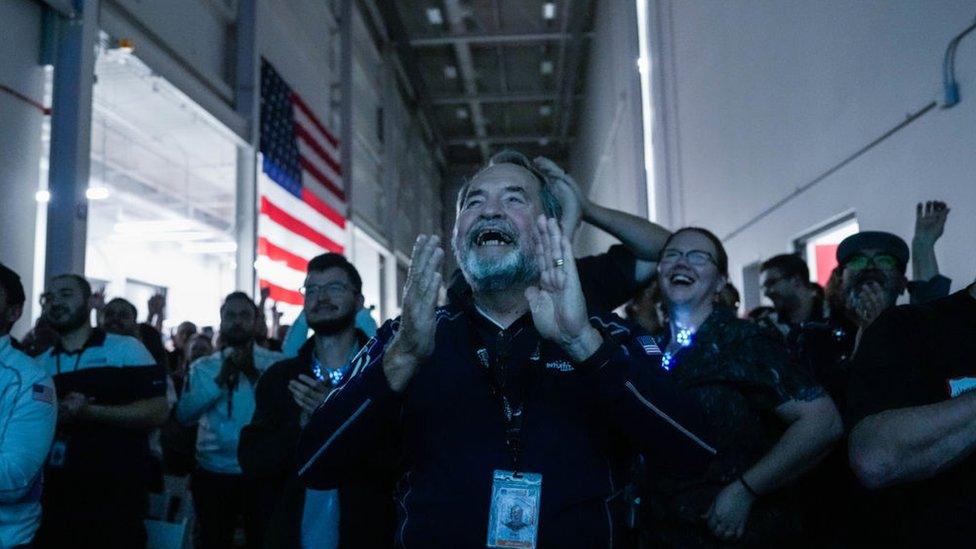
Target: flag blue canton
(278, 142)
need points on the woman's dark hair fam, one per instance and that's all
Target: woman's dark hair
(721, 257)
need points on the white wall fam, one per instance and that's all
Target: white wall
(765, 96)
(20, 140)
(607, 156)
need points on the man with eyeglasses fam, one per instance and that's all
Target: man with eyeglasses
(360, 512)
(219, 397)
(111, 393)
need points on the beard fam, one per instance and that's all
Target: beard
(331, 326)
(516, 268)
(75, 319)
(237, 337)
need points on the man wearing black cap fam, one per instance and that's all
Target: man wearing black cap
(28, 413)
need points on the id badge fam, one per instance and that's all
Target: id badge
(59, 450)
(513, 517)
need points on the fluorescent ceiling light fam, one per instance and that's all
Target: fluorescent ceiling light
(154, 226)
(97, 193)
(210, 247)
(184, 236)
(43, 196)
(549, 10)
(545, 67)
(434, 16)
(450, 72)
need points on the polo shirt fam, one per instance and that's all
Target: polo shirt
(113, 370)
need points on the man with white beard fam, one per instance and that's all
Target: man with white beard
(511, 407)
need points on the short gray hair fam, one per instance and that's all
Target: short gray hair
(550, 204)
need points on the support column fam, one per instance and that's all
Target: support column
(74, 66)
(247, 104)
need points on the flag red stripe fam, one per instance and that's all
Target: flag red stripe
(297, 99)
(277, 253)
(320, 206)
(322, 178)
(284, 295)
(286, 220)
(309, 139)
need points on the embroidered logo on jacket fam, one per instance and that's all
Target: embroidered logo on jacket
(560, 365)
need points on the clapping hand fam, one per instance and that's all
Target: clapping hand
(414, 341)
(557, 304)
(308, 393)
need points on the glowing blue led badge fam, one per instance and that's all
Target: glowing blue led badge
(684, 337)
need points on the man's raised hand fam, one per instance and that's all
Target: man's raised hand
(414, 341)
(557, 303)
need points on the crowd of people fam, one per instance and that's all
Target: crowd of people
(520, 413)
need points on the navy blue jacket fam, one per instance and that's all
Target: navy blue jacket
(452, 433)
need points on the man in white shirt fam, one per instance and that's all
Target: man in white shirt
(220, 396)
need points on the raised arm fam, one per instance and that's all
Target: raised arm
(927, 283)
(643, 238)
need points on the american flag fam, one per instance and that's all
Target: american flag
(300, 191)
(43, 393)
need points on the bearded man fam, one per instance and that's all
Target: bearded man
(111, 393)
(219, 397)
(512, 402)
(287, 395)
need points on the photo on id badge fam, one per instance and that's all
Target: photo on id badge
(513, 517)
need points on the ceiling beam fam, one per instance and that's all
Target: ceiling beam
(572, 63)
(496, 98)
(462, 50)
(492, 39)
(507, 140)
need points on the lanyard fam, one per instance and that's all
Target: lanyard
(81, 353)
(495, 370)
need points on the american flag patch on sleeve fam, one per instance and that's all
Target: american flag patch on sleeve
(43, 393)
(648, 344)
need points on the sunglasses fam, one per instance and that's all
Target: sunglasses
(881, 261)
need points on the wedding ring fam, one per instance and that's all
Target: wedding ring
(558, 262)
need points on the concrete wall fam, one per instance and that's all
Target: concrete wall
(20, 140)
(762, 97)
(607, 156)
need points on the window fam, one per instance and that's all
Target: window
(819, 247)
(161, 194)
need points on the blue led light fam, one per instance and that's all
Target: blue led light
(684, 337)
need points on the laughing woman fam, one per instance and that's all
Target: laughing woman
(770, 422)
